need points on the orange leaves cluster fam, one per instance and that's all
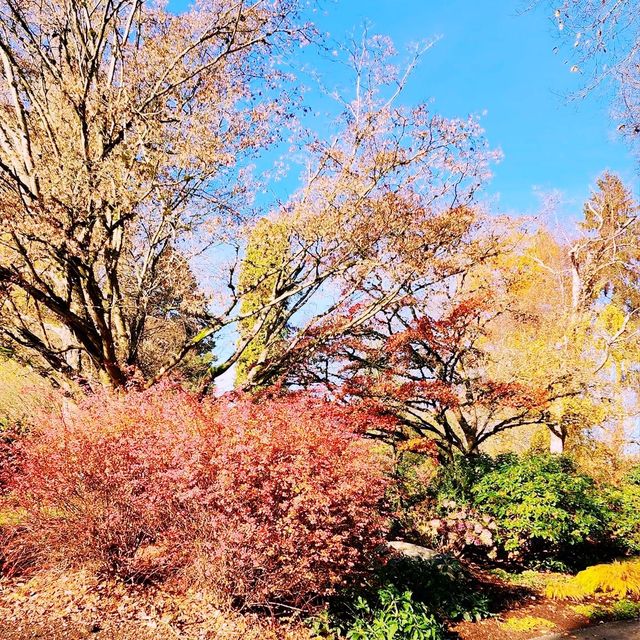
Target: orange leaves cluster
(425, 446)
(434, 392)
(431, 365)
(444, 334)
(512, 394)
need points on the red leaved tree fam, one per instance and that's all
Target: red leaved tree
(429, 365)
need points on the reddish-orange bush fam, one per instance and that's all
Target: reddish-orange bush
(269, 501)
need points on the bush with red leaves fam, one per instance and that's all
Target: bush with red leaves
(7, 457)
(269, 501)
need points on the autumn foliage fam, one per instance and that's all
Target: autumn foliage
(431, 370)
(273, 500)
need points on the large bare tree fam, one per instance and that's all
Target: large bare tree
(122, 126)
(124, 143)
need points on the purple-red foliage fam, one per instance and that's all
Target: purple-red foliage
(273, 500)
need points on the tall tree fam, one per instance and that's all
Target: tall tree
(121, 133)
(125, 139)
(605, 301)
(261, 273)
(605, 260)
(587, 324)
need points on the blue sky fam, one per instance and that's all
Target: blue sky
(496, 60)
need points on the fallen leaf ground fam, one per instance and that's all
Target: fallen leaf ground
(77, 606)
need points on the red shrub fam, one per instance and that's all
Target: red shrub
(266, 501)
(7, 457)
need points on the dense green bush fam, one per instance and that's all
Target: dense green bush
(624, 516)
(442, 584)
(547, 513)
(542, 505)
(407, 595)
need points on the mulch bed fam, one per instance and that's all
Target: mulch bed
(518, 602)
(556, 612)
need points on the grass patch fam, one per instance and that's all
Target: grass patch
(528, 623)
(536, 580)
(621, 610)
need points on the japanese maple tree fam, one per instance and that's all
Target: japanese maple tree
(431, 372)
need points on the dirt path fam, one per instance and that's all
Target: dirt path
(609, 631)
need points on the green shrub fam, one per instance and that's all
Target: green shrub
(624, 516)
(407, 597)
(395, 616)
(442, 584)
(541, 505)
(552, 565)
(633, 476)
(455, 479)
(624, 610)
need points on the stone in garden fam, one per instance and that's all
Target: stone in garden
(411, 550)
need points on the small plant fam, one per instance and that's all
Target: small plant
(587, 610)
(396, 616)
(552, 565)
(324, 625)
(412, 588)
(625, 610)
(618, 579)
(528, 623)
(458, 530)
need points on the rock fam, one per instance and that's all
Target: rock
(411, 550)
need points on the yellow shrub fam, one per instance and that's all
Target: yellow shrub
(618, 579)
